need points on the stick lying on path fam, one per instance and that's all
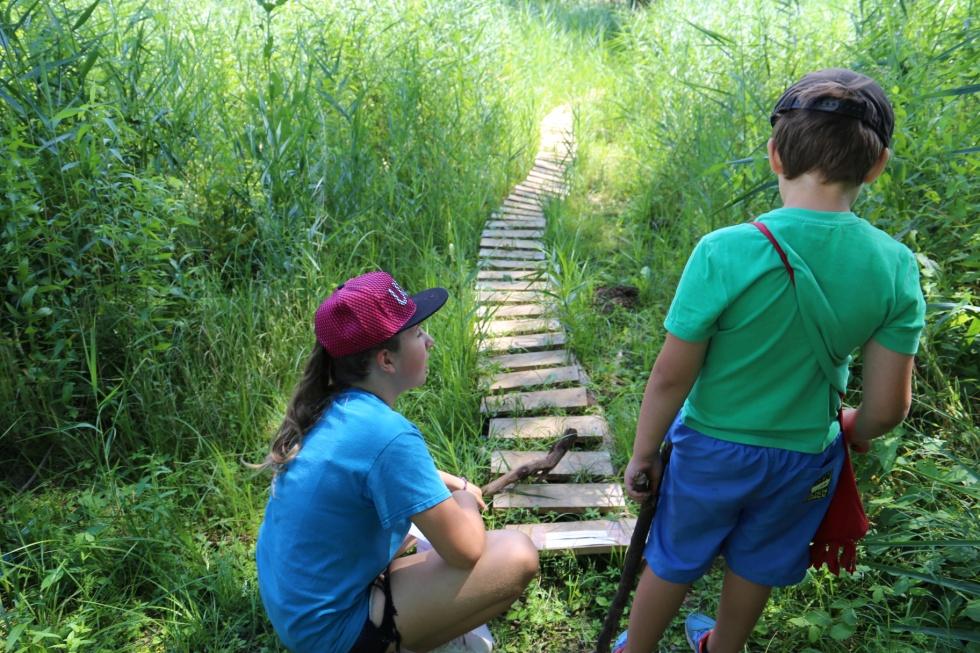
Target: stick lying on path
(539, 467)
(631, 566)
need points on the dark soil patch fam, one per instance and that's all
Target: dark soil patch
(608, 297)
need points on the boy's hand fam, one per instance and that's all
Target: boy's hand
(642, 478)
(848, 419)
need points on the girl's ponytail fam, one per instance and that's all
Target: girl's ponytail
(310, 397)
(323, 377)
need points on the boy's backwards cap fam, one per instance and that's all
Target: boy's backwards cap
(866, 102)
(367, 310)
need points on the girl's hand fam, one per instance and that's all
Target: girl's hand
(642, 478)
(459, 483)
(477, 493)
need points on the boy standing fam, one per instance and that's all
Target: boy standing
(759, 338)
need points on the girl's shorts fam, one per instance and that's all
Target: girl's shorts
(759, 507)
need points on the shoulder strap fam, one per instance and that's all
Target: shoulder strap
(779, 250)
(823, 358)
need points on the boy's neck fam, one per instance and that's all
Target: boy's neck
(808, 191)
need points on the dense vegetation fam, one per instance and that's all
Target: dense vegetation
(183, 182)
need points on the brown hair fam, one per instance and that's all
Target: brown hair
(841, 148)
(323, 377)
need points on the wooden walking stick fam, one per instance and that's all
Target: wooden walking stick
(631, 566)
(538, 467)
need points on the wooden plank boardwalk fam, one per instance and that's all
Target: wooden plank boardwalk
(534, 388)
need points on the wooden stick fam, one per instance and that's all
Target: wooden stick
(538, 467)
(631, 566)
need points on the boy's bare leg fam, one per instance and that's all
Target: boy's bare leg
(654, 606)
(742, 601)
(437, 602)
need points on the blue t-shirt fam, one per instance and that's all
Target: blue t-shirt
(336, 518)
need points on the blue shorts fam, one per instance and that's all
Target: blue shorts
(759, 507)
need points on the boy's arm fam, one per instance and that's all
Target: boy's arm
(886, 395)
(673, 374)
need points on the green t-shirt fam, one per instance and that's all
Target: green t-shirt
(761, 383)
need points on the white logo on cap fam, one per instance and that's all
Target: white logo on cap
(396, 291)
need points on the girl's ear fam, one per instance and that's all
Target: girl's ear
(384, 360)
(775, 163)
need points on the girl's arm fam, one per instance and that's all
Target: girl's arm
(673, 374)
(459, 483)
(455, 529)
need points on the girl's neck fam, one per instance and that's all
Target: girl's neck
(379, 390)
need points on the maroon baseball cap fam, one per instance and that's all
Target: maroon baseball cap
(367, 310)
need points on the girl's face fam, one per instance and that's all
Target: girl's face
(413, 356)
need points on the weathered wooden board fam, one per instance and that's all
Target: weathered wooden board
(499, 311)
(550, 166)
(511, 362)
(519, 202)
(513, 233)
(535, 400)
(548, 427)
(538, 377)
(514, 327)
(574, 464)
(561, 497)
(512, 243)
(516, 223)
(511, 264)
(508, 296)
(508, 275)
(545, 175)
(514, 213)
(524, 342)
(511, 285)
(592, 537)
(531, 255)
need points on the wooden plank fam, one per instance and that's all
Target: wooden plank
(522, 402)
(549, 165)
(512, 213)
(519, 191)
(536, 255)
(514, 327)
(482, 284)
(562, 497)
(529, 361)
(513, 310)
(532, 378)
(519, 202)
(521, 223)
(548, 427)
(525, 342)
(592, 537)
(572, 464)
(513, 233)
(545, 175)
(511, 264)
(546, 187)
(508, 275)
(508, 296)
(512, 243)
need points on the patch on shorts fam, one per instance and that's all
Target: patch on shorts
(820, 488)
